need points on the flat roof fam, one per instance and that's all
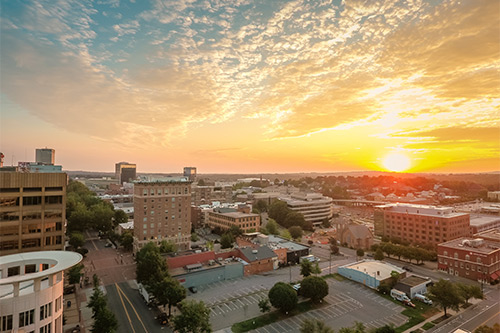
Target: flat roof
(276, 241)
(477, 220)
(413, 280)
(492, 234)
(423, 210)
(237, 214)
(376, 268)
(60, 259)
(462, 244)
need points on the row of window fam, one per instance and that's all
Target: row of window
(462, 265)
(27, 318)
(165, 191)
(30, 243)
(31, 201)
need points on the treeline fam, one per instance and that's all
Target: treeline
(407, 252)
(84, 210)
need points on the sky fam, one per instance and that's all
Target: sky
(244, 86)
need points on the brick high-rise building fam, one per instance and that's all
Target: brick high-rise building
(420, 224)
(162, 211)
(32, 211)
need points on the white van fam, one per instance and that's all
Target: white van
(399, 295)
(422, 298)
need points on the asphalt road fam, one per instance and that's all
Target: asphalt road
(132, 313)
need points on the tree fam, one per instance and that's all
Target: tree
(167, 246)
(150, 266)
(306, 268)
(379, 254)
(315, 326)
(169, 291)
(286, 234)
(487, 329)
(235, 231)
(326, 223)
(296, 219)
(314, 287)
(446, 295)
(295, 232)
(357, 328)
(120, 217)
(261, 205)
(227, 240)
(316, 270)
(127, 241)
(76, 240)
(272, 227)
(278, 211)
(194, 317)
(79, 219)
(264, 305)
(102, 215)
(468, 291)
(360, 253)
(283, 297)
(194, 237)
(75, 273)
(105, 322)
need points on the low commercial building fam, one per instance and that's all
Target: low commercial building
(260, 258)
(314, 206)
(480, 223)
(490, 235)
(31, 290)
(420, 224)
(494, 195)
(225, 219)
(413, 285)
(294, 250)
(371, 273)
(472, 258)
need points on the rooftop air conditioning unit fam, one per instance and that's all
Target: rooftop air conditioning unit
(255, 251)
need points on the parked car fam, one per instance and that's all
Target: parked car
(423, 299)
(399, 295)
(408, 268)
(407, 302)
(193, 290)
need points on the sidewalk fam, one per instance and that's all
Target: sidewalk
(451, 314)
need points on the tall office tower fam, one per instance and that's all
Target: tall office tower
(190, 173)
(420, 224)
(45, 156)
(125, 172)
(162, 210)
(32, 211)
(31, 290)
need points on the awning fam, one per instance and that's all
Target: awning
(495, 275)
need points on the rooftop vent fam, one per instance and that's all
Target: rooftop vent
(255, 251)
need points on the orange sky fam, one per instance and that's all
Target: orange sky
(253, 87)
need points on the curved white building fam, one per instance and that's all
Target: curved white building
(314, 206)
(31, 290)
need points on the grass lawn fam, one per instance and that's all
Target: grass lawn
(274, 316)
(428, 326)
(335, 276)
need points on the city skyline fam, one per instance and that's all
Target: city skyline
(252, 86)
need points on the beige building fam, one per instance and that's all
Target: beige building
(32, 211)
(207, 194)
(162, 210)
(314, 206)
(225, 219)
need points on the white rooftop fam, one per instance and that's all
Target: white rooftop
(421, 209)
(374, 268)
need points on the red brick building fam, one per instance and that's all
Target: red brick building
(420, 224)
(475, 259)
(260, 259)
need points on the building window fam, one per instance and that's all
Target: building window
(467, 257)
(6, 323)
(455, 255)
(46, 329)
(479, 260)
(445, 253)
(26, 318)
(46, 311)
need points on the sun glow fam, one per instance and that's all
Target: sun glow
(396, 162)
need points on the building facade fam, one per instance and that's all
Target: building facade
(420, 224)
(356, 236)
(125, 172)
(314, 206)
(32, 211)
(31, 290)
(224, 221)
(190, 173)
(162, 211)
(45, 156)
(207, 194)
(471, 258)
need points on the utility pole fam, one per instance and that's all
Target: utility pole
(290, 264)
(330, 262)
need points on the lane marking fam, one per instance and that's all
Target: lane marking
(133, 308)
(124, 307)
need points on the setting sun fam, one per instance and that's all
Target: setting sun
(396, 162)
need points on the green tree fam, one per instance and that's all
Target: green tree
(120, 217)
(487, 329)
(314, 287)
(75, 273)
(446, 295)
(316, 270)
(194, 237)
(76, 240)
(272, 227)
(469, 291)
(169, 291)
(127, 241)
(261, 205)
(102, 216)
(79, 219)
(306, 268)
(295, 232)
(278, 211)
(357, 328)
(194, 317)
(314, 326)
(295, 219)
(105, 322)
(283, 297)
(227, 240)
(360, 253)
(326, 223)
(150, 265)
(286, 234)
(379, 254)
(167, 246)
(235, 231)
(264, 305)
